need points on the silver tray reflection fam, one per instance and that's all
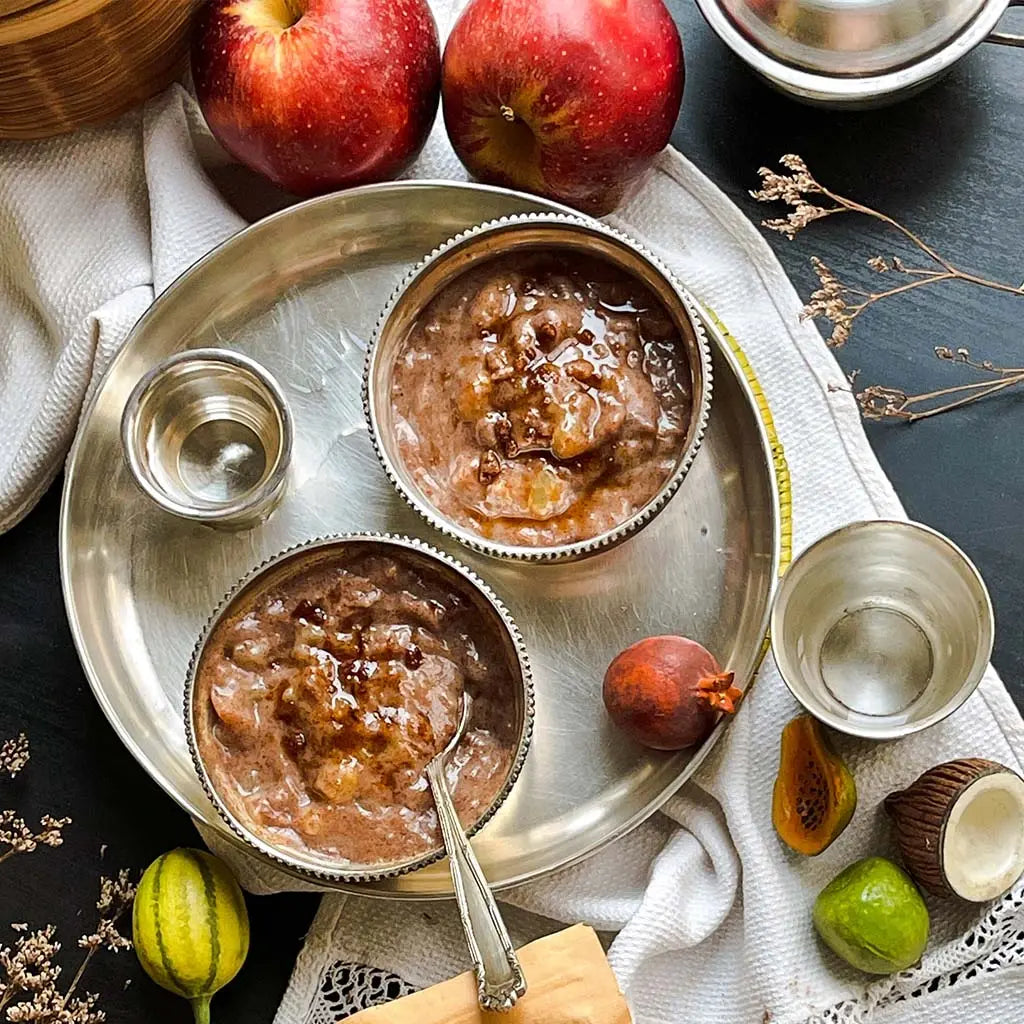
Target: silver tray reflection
(296, 291)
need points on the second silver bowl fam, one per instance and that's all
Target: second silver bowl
(528, 233)
(307, 557)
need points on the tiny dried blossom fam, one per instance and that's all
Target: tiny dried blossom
(50, 1007)
(787, 188)
(894, 264)
(51, 836)
(878, 402)
(106, 936)
(116, 894)
(14, 755)
(829, 301)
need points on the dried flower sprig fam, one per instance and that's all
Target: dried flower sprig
(878, 402)
(16, 835)
(30, 988)
(841, 304)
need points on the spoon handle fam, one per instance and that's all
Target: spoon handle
(500, 980)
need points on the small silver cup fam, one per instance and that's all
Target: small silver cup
(207, 435)
(882, 628)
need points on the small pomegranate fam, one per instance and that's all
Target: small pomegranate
(666, 692)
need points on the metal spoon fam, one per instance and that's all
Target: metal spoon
(500, 979)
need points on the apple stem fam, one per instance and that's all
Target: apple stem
(508, 113)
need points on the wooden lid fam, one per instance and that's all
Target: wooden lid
(66, 63)
(12, 7)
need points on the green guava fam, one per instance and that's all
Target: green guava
(873, 917)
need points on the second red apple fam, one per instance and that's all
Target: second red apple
(571, 99)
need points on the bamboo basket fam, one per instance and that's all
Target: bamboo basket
(68, 63)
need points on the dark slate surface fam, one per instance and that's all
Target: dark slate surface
(950, 163)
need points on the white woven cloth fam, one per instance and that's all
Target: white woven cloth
(712, 914)
(91, 226)
(707, 912)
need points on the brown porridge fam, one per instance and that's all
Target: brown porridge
(542, 400)
(323, 695)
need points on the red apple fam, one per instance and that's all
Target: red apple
(571, 99)
(318, 94)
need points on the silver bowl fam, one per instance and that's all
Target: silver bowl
(207, 435)
(291, 561)
(527, 232)
(882, 628)
(854, 53)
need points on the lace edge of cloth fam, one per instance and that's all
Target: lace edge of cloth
(995, 943)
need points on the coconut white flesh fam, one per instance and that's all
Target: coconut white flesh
(983, 848)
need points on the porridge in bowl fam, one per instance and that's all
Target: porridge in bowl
(327, 685)
(542, 398)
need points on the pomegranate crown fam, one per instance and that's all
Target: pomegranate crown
(718, 690)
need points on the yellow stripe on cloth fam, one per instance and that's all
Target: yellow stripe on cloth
(779, 463)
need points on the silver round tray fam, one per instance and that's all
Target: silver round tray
(298, 291)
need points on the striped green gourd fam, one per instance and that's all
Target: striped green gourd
(190, 926)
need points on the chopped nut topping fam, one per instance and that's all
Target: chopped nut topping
(584, 371)
(506, 442)
(547, 333)
(490, 465)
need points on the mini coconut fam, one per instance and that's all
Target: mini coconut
(960, 829)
